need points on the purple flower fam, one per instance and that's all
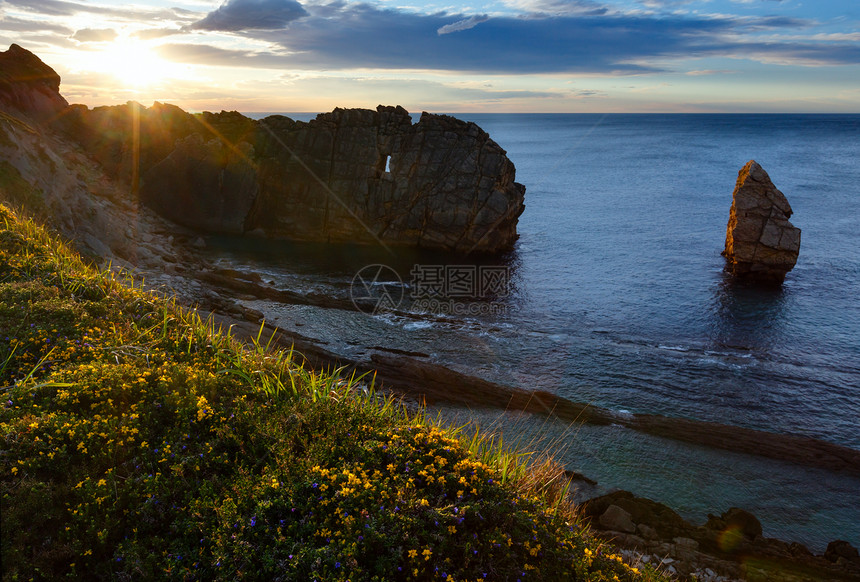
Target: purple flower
(253, 521)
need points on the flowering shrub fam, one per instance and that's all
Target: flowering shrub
(140, 443)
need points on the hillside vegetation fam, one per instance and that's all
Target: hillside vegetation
(140, 442)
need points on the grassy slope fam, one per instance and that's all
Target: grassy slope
(138, 442)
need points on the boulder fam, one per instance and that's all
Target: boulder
(842, 549)
(616, 519)
(761, 244)
(735, 519)
(660, 521)
(29, 86)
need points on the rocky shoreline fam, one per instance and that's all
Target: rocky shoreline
(63, 183)
(93, 212)
(727, 547)
(420, 378)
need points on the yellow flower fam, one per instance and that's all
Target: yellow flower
(413, 553)
(427, 554)
(101, 483)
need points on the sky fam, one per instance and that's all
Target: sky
(517, 56)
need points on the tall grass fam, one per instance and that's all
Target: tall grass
(143, 441)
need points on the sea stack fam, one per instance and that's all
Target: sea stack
(761, 244)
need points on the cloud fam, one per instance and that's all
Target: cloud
(36, 42)
(344, 36)
(361, 35)
(775, 22)
(800, 53)
(708, 72)
(203, 54)
(236, 15)
(464, 24)
(547, 8)
(153, 33)
(413, 92)
(95, 35)
(12, 24)
(52, 7)
(64, 8)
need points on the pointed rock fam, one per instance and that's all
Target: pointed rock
(28, 85)
(761, 244)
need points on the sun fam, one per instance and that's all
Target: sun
(132, 63)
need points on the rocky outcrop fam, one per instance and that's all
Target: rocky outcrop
(367, 176)
(728, 546)
(29, 86)
(349, 176)
(761, 244)
(204, 185)
(54, 179)
(352, 175)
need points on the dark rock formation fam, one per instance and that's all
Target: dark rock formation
(352, 175)
(736, 520)
(842, 550)
(204, 185)
(616, 519)
(361, 175)
(28, 85)
(761, 244)
(730, 545)
(662, 520)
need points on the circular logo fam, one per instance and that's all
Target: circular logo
(376, 289)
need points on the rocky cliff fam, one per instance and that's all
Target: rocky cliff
(54, 178)
(28, 85)
(352, 175)
(761, 244)
(363, 175)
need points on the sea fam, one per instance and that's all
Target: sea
(615, 295)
